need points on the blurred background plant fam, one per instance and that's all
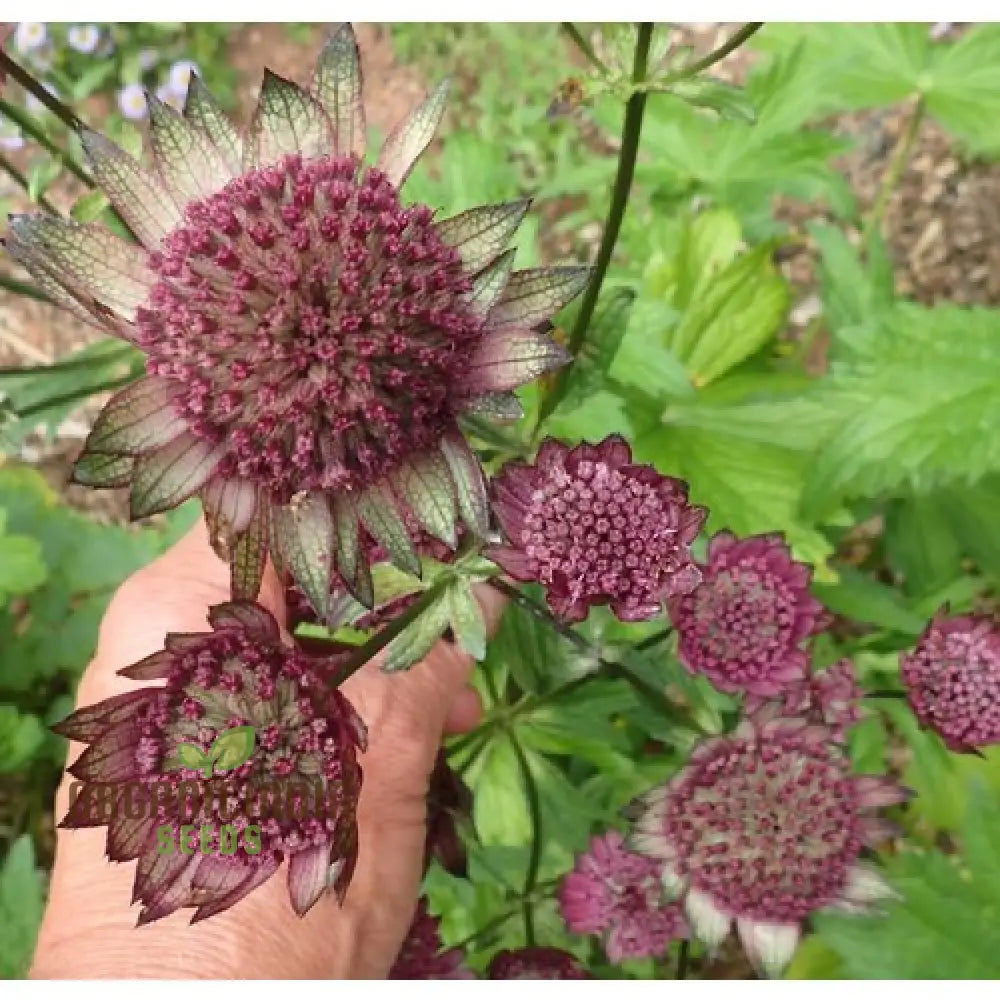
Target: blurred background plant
(800, 318)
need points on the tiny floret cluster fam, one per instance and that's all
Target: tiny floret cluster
(831, 697)
(765, 827)
(421, 955)
(306, 740)
(619, 895)
(536, 963)
(952, 681)
(743, 625)
(595, 528)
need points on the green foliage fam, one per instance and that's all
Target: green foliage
(21, 901)
(943, 926)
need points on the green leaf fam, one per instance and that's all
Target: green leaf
(500, 809)
(465, 617)
(21, 736)
(748, 487)
(233, 747)
(89, 207)
(41, 177)
(22, 568)
(21, 903)
(728, 101)
(854, 290)
(944, 926)
(918, 390)
(418, 638)
(192, 756)
(858, 596)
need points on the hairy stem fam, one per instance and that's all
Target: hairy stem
(369, 649)
(20, 75)
(580, 41)
(535, 856)
(900, 159)
(635, 108)
(716, 55)
(22, 182)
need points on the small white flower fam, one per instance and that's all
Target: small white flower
(170, 97)
(84, 37)
(132, 101)
(30, 35)
(148, 58)
(180, 76)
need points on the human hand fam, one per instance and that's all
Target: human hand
(89, 928)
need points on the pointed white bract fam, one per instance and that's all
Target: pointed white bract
(709, 923)
(338, 85)
(769, 947)
(413, 135)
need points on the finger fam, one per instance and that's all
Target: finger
(465, 712)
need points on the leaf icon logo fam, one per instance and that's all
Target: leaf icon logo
(231, 748)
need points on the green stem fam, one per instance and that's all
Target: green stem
(899, 161)
(683, 955)
(23, 288)
(369, 649)
(535, 856)
(543, 890)
(699, 66)
(653, 640)
(609, 668)
(30, 127)
(74, 396)
(71, 364)
(20, 75)
(580, 41)
(635, 108)
(22, 182)
(886, 693)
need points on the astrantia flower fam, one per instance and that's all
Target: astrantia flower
(310, 340)
(742, 626)
(619, 894)
(831, 697)
(952, 681)
(536, 963)
(596, 529)
(421, 956)
(299, 789)
(764, 827)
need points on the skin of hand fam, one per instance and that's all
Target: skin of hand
(89, 931)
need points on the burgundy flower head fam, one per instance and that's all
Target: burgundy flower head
(952, 681)
(766, 826)
(831, 697)
(619, 894)
(596, 529)
(311, 340)
(147, 770)
(421, 957)
(742, 626)
(449, 805)
(536, 963)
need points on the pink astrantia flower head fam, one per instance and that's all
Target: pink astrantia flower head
(298, 790)
(831, 697)
(742, 626)
(764, 827)
(421, 956)
(596, 529)
(311, 340)
(536, 963)
(952, 680)
(619, 894)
